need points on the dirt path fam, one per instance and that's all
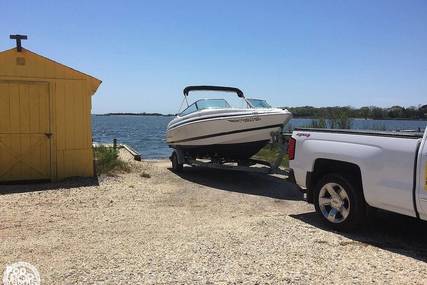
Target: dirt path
(203, 226)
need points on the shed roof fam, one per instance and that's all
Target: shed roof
(34, 65)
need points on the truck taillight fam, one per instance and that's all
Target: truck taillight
(291, 148)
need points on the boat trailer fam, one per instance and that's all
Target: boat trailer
(279, 139)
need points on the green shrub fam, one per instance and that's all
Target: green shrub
(337, 120)
(340, 120)
(318, 124)
(107, 161)
(269, 153)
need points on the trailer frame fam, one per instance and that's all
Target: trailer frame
(178, 159)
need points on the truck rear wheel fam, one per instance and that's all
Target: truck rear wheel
(339, 201)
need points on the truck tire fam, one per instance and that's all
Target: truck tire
(339, 202)
(176, 166)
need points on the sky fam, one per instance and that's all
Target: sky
(292, 53)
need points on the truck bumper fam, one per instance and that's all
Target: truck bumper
(291, 179)
(308, 193)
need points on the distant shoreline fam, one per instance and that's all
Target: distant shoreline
(295, 117)
(363, 119)
(136, 114)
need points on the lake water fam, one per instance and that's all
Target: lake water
(147, 133)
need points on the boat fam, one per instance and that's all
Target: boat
(212, 128)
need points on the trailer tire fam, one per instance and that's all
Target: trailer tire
(339, 202)
(176, 166)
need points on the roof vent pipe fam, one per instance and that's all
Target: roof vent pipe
(18, 39)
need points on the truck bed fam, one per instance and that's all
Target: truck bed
(408, 135)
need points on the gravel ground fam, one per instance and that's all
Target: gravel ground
(203, 226)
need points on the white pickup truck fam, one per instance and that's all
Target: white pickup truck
(344, 173)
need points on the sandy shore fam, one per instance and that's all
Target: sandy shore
(203, 226)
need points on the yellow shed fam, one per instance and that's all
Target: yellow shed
(45, 118)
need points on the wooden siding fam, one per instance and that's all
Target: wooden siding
(37, 66)
(66, 107)
(73, 133)
(24, 123)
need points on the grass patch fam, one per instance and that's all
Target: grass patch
(317, 124)
(108, 162)
(339, 121)
(269, 153)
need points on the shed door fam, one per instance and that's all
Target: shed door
(24, 131)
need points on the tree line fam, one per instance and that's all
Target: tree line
(135, 114)
(369, 112)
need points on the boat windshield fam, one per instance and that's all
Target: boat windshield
(258, 103)
(206, 104)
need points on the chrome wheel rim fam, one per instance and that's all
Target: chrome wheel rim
(334, 203)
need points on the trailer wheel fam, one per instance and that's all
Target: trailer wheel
(338, 200)
(176, 166)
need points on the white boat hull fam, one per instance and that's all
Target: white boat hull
(226, 132)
